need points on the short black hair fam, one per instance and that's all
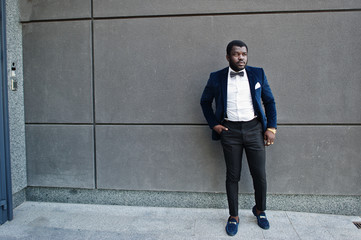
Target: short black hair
(238, 43)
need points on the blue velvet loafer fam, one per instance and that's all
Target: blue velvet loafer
(232, 226)
(261, 219)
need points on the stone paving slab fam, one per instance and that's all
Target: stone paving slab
(43, 221)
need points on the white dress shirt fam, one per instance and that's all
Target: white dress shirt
(239, 99)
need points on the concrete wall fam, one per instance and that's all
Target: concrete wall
(112, 93)
(16, 102)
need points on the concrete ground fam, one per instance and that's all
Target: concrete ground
(40, 221)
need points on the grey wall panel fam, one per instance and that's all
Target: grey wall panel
(111, 8)
(304, 160)
(58, 72)
(60, 156)
(54, 9)
(150, 70)
(154, 70)
(176, 158)
(318, 160)
(312, 66)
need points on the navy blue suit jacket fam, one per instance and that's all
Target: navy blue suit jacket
(216, 89)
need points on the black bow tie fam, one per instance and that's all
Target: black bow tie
(233, 74)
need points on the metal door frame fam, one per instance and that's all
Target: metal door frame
(6, 206)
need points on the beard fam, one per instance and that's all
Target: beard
(235, 67)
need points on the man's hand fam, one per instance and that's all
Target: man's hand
(219, 128)
(269, 136)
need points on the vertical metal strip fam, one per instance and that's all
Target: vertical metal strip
(5, 114)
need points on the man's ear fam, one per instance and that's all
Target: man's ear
(227, 57)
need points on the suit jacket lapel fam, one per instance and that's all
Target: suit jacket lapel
(224, 84)
(251, 81)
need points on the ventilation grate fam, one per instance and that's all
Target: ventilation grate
(357, 224)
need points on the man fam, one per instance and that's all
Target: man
(240, 123)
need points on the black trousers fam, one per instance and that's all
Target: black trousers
(246, 136)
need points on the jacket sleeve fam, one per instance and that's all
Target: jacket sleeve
(269, 103)
(206, 103)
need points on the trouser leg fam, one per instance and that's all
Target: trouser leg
(232, 149)
(256, 158)
(256, 163)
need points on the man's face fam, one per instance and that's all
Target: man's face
(238, 58)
